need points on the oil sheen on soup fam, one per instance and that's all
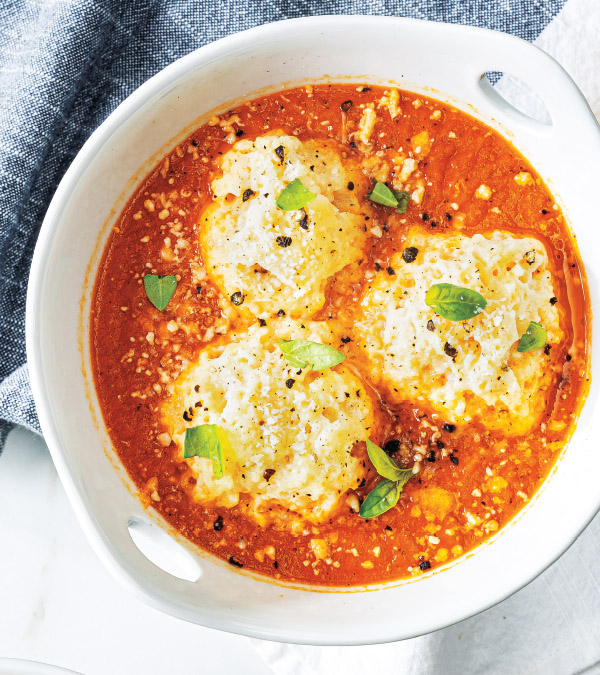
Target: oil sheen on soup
(339, 335)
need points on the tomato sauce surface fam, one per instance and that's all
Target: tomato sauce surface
(135, 354)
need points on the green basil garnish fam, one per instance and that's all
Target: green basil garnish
(294, 196)
(382, 194)
(386, 493)
(535, 337)
(207, 441)
(382, 498)
(403, 199)
(454, 302)
(160, 289)
(299, 353)
(385, 465)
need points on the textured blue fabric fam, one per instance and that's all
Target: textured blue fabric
(66, 64)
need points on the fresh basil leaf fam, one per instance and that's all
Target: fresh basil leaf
(382, 498)
(535, 337)
(299, 353)
(294, 196)
(206, 440)
(160, 289)
(382, 194)
(386, 466)
(454, 302)
(403, 199)
(402, 206)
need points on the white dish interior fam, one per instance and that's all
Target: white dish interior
(439, 60)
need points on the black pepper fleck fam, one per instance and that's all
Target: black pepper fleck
(391, 446)
(440, 445)
(346, 339)
(425, 565)
(553, 300)
(239, 132)
(280, 313)
(448, 216)
(410, 254)
(568, 357)
(390, 271)
(235, 562)
(425, 216)
(346, 105)
(547, 349)
(284, 242)
(262, 323)
(450, 428)
(450, 350)
(290, 382)
(237, 298)
(453, 459)
(430, 325)
(247, 194)
(218, 524)
(431, 456)
(280, 152)
(268, 474)
(350, 185)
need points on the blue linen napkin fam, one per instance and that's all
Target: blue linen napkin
(65, 65)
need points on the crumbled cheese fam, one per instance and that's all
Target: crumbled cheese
(483, 192)
(487, 378)
(320, 548)
(496, 484)
(408, 166)
(366, 125)
(524, 178)
(441, 555)
(390, 100)
(305, 434)
(421, 143)
(239, 238)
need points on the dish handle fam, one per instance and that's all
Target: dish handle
(568, 109)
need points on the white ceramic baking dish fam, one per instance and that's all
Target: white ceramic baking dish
(21, 667)
(440, 60)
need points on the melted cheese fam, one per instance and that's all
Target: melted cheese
(300, 427)
(281, 259)
(487, 379)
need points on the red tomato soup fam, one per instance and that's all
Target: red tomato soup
(340, 335)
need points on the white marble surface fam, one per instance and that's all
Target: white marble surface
(60, 606)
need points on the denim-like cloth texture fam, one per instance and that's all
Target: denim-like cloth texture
(66, 64)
